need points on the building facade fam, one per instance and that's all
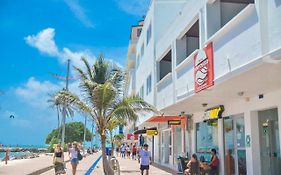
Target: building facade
(215, 66)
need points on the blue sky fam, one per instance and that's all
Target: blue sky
(37, 37)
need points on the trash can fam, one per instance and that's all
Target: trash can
(182, 162)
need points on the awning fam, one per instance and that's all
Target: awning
(164, 118)
(143, 131)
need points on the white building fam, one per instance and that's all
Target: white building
(218, 63)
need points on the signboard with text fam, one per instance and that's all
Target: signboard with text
(151, 132)
(174, 122)
(204, 68)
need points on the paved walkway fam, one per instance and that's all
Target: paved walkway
(21, 167)
(82, 168)
(130, 167)
(25, 166)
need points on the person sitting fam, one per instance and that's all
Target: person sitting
(214, 165)
(193, 166)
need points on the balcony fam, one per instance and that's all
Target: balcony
(165, 91)
(237, 43)
(185, 77)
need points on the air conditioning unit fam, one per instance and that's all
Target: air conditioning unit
(211, 1)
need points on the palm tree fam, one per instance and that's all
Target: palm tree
(61, 106)
(111, 126)
(54, 103)
(102, 91)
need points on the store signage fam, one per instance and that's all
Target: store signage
(132, 137)
(204, 68)
(151, 132)
(174, 122)
(215, 113)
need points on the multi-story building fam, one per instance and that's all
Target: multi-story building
(214, 67)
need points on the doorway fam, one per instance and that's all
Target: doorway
(269, 142)
(234, 144)
(166, 144)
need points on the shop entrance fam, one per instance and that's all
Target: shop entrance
(269, 142)
(166, 146)
(234, 145)
(177, 143)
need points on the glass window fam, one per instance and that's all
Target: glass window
(139, 32)
(148, 34)
(206, 136)
(142, 92)
(148, 84)
(142, 50)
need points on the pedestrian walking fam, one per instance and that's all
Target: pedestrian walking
(123, 150)
(74, 153)
(134, 154)
(128, 150)
(145, 159)
(58, 160)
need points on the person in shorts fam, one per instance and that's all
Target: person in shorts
(145, 159)
(73, 155)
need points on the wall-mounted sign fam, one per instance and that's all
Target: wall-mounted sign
(248, 141)
(174, 122)
(151, 132)
(214, 113)
(204, 68)
(132, 137)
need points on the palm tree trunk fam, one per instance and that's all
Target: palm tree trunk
(112, 144)
(106, 167)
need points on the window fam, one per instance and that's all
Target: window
(142, 92)
(139, 32)
(148, 34)
(148, 84)
(137, 61)
(206, 136)
(165, 65)
(142, 50)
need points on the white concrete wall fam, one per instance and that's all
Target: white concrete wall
(274, 24)
(250, 111)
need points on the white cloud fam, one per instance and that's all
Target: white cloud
(37, 93)
(134, 7)
(79, 12)
(45, 43)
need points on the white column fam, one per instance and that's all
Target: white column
(279, 123)
(174, 74)
(221, 145)
(253, 151)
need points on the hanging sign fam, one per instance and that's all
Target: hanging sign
(174, 122)
(151, 132)
(204, 68)
(215, 113)
(132, 137)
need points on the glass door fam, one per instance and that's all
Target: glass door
(165, 146)
(234, 144)
(269, 141)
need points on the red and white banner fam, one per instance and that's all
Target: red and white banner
(204, 68)
(132, 137)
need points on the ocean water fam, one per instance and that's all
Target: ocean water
(12, 155)
(16, 154)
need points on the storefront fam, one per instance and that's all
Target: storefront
(171, 139)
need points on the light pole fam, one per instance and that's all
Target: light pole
(85, 130)
(64, 112)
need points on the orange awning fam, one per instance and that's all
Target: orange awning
(164, 118)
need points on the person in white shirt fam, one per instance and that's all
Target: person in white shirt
(73, 155)
(145, 159)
